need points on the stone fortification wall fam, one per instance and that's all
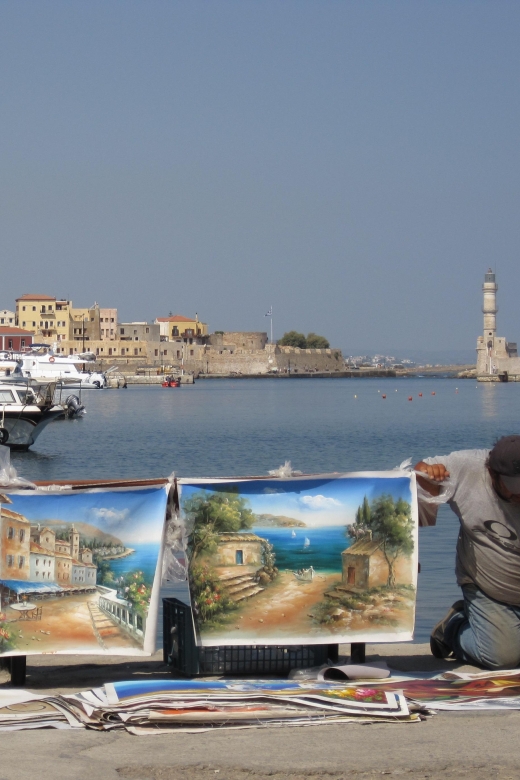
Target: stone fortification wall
(239, 340)
(263, 361)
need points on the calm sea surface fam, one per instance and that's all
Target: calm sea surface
(238, 427)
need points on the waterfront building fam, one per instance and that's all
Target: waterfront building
(186, 328)
(15, 338)
(7, 317)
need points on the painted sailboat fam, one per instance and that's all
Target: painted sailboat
(307, 542)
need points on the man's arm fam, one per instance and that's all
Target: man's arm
(437, 472)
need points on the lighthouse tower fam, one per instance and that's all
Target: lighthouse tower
(496, 358)
(489, 308)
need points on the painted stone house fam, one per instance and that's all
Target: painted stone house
(239, 549)
(364, 566)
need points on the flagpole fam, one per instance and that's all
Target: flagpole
(271, 324)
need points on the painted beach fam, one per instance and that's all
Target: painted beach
(303, 562)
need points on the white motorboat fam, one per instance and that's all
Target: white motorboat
(43, 365)
(26, 409)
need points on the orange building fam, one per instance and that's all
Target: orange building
(14, 544)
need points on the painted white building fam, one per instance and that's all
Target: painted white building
(41, 564)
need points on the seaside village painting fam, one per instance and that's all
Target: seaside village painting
(302, 560)
(77, 570)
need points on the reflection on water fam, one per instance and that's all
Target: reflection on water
(489, 398)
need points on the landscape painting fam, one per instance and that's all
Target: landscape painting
(77, 570)
(302, 560)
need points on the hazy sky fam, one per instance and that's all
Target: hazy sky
(352, 164)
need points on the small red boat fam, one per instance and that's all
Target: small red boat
(170, 381)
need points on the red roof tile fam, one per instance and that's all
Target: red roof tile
(11, 330)
(35, 297)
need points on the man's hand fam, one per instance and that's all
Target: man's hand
(437, 472)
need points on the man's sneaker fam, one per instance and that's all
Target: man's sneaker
(438, 645)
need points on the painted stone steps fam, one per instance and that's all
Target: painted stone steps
(252, 591)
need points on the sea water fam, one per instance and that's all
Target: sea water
(248, 426)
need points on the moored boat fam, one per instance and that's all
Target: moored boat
(25, 410)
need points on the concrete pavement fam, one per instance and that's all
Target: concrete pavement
(450, 745)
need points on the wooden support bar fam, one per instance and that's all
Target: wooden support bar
(18, 664)
(358, 652)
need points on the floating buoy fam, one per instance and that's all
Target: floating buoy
(383, 396)
(433, 392)
(355, 396)
(420, 395)
(410, 397)
(379, 391)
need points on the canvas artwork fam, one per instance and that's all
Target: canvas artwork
(78, 570)
(302, 560)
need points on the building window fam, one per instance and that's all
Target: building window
(122, 331)
(135, 352)
(37, 563)
(43, 309)
(23, 341)
(148, 330)
(34, 324)
(21, 534)
(178, 353)
(10, 561)
(10, 532)
(34, 308)
(123, 351)
(10, 343)
(156, 351)
(111, 319)
(102, 331)
(23, 308)
(21, 561)
(23, 324)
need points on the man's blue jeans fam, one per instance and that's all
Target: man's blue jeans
(487, 633)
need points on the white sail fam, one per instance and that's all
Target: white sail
(306, 542)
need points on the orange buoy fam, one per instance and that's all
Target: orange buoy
(410, 397)
(420, 395)
(383, 396)
(433, 393)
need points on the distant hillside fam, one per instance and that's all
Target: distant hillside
(88, 533)
(281, 521)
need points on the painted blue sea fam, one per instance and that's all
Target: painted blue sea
(143, 559)
(299, 548)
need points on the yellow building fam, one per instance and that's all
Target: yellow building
(177, 326)
(44, 315)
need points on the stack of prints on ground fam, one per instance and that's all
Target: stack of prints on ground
(193, 706)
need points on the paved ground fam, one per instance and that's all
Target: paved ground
(450, 745)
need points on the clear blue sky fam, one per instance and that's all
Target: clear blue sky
(352, 164)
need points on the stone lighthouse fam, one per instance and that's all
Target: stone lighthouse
(496, 359)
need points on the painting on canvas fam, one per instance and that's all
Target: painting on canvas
(77, 570)
(302, 560)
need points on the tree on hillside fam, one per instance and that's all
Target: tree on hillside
(317, 342)
(293, 339)
(212, 514)
(390, 523)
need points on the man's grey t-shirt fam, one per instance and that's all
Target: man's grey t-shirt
(488, 548)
